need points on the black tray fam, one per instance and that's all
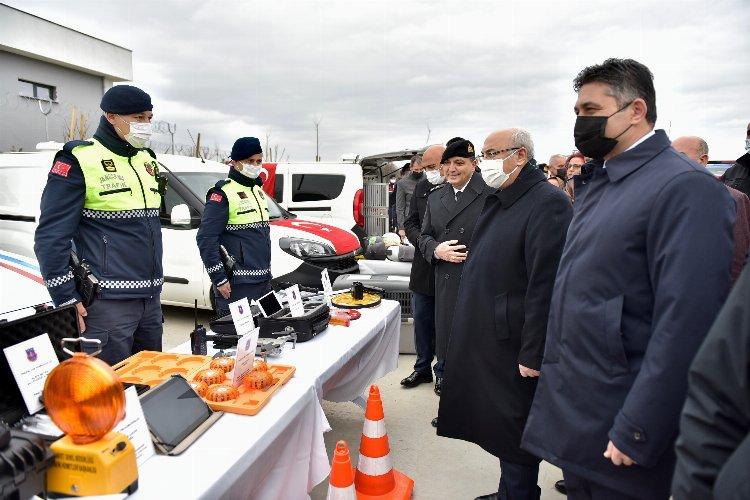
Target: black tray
(58, 323)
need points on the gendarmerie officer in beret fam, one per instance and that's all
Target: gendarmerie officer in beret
(236, 217)
(449, 220)
(102, 195)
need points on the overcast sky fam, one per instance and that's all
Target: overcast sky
(378, 73)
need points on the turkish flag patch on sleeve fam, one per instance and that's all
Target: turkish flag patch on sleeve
(60, 168)
(215, 197)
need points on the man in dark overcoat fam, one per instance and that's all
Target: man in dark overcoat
(500, 321)
(644, 271)
(448, 225)
(422, 276)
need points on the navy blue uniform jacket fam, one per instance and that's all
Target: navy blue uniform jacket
(644, 272)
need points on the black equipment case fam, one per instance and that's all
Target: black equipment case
(58, 324)
(24, 460)
(307, 326)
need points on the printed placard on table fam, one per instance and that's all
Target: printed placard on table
(134, 426)
(327, 288)
(30, 362)
(242, 316)
(294, 297)
(245, 356)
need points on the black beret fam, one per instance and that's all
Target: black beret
(125, 100)
(458, 147)
(245, 147)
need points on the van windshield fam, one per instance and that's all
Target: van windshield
(200, 182)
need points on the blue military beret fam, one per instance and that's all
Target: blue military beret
(245, 147)
(125, 100)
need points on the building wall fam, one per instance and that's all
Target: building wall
(22, 125)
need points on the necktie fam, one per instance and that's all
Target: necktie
(458, 196)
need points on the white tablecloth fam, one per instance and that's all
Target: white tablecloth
(280, 453)
(342, 361)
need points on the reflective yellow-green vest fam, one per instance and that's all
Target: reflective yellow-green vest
(247, 205)
(117, 183)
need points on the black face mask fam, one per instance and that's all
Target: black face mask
(416, 175)
(588, 134)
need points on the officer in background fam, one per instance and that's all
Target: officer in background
(103, 194)
(236, 217)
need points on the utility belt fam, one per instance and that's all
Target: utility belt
(87, 284)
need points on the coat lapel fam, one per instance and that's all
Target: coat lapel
(475, 188)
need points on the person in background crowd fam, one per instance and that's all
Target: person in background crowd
(392, 223)
(404, 190)
(713, 448)
(738, 175)
(573, 164)
(629, 308)
(103, 196)
(422, 276)
(556, 162)
(446, 233)
(236, 217)
(500, 318)
(696, 149)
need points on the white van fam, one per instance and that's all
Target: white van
(322, 191)
(300, 248)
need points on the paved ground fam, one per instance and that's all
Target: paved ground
(441, 468)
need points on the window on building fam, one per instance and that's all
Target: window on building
(36, 90)
(316, 187)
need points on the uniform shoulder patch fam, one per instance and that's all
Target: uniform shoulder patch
(60, 168)
(70, 145)
(109, 166)
(215, 197)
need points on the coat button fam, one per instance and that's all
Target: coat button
(638, 436)
(447, 276)
(461, 231)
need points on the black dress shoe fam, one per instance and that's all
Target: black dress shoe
(434, 422)
(416, 378)
(491, 496)
(560, 487)
(438, 385)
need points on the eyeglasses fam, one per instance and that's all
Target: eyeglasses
(493, 154)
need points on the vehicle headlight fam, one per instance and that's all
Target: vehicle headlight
(303, 248)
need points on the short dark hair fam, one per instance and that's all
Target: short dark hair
(628, 80)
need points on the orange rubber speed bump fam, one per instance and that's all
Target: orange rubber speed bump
(341, 482)
(376, 478)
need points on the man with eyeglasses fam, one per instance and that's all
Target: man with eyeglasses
(446, 233)
(422, 276)
(236, 217)
(500, 322)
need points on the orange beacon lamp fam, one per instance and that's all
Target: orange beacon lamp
(85, 399)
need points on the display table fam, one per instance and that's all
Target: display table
(280, 453)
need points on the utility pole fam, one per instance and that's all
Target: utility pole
(45, 113)
(316, 122)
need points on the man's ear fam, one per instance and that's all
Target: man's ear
(704, 159)
(523, 156)
(110, 117)
(639, 110)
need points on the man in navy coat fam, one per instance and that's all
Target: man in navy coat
(644, 271)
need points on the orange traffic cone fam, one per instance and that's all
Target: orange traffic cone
(341, 482)
(376, 478)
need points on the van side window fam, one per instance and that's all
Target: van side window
(278, 191)
(316, 187)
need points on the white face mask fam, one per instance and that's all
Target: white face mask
(251, 171)
(139, 135)
(434, 177)
(493, 173)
